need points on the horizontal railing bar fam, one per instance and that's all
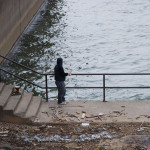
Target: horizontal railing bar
(111, 74)
(101, 87)
(22, 78)
(105, 74)
(67, 87)
(128, 87)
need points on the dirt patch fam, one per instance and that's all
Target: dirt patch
(75, 136)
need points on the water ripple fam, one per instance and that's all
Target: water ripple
(92, 37)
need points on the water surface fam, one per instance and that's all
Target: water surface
(98, 36)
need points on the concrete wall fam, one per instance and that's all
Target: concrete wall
(14, 17)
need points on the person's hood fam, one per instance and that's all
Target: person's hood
(59, 61)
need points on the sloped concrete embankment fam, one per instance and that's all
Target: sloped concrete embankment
(14, 17)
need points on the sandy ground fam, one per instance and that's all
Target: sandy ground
(82, 125)
(75, 136)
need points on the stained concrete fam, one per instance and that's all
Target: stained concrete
(95, 111)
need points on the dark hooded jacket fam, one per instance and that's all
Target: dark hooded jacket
(59, 71)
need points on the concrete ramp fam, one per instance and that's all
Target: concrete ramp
(89, 111)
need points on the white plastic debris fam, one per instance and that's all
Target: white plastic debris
(49, 126)
(36, 120)
(83, 116)
(142, 128)
(101, 114)
(4, 135)
(85, 124)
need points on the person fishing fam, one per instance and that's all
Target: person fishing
(60, 77)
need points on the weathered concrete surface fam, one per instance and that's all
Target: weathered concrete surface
(88, 111)
(14, 17)
(20, 108)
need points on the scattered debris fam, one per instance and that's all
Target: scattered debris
(142, 128)
(71, 115)
(46, 113)
(36, 120)
(83, 116)
(101, 114)
(60, 111)
(85, 124)
(49, 126)
(77, 113)
(4, 132)
(91, 116)
(123, 106)
(15, 91)
(99, 117)
(137, 118)
(71, 135)
(119, 112)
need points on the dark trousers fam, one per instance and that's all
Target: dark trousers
(61, 91)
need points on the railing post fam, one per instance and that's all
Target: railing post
(103, 87)
(0, 76)
(46, 87)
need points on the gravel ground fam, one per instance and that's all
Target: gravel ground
(75, 136)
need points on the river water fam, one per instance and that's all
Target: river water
(98, 36)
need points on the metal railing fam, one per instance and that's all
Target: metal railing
(104, 87)
(26, 80)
